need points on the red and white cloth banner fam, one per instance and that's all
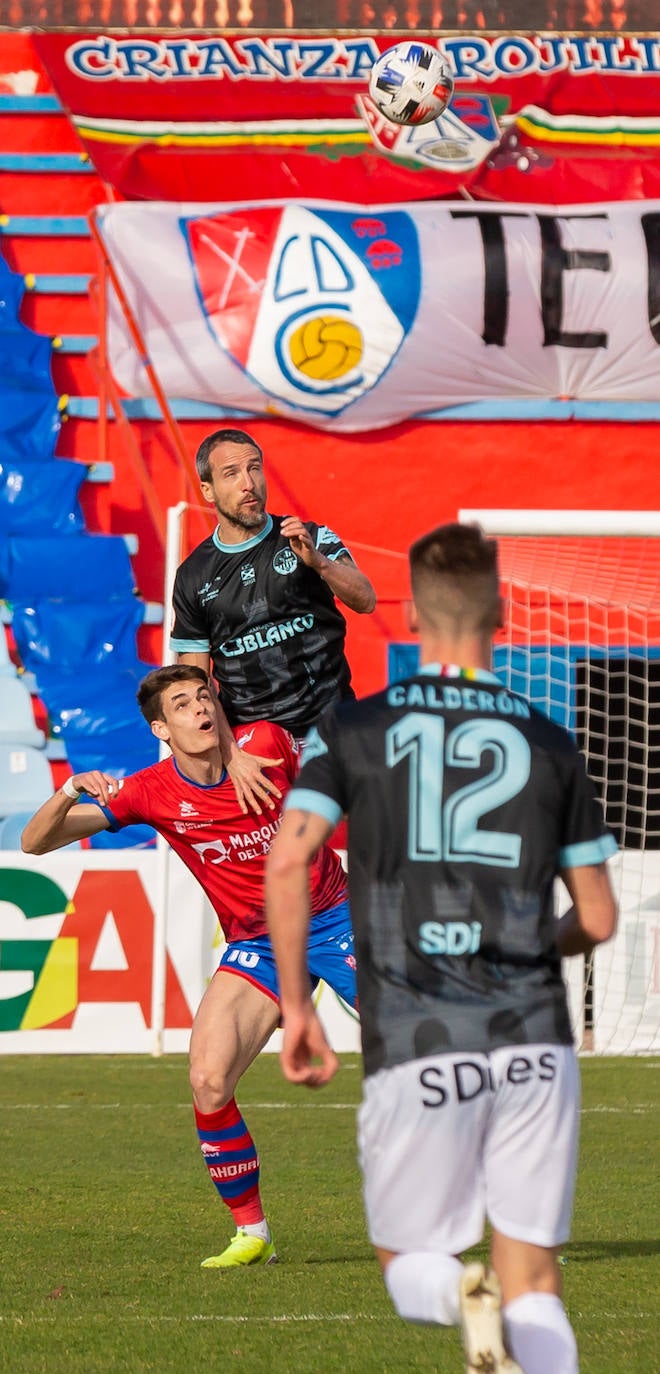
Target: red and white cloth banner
(537, 117)
(353, 318)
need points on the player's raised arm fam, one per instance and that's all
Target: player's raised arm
(345, 580)
(306, 1056)
(60, 821)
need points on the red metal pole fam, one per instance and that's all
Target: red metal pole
(137, 337)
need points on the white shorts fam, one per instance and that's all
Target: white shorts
(451, 1139)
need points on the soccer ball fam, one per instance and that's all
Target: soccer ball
(411, 83)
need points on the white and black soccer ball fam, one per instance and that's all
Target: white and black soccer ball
(411, 83)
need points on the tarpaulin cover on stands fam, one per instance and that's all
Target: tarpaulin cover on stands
(62, 635)
(36, 496)
(29, 426)
(93, 565)
(355, 318)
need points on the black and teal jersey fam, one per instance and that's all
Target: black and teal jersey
(271, 625)
(463, 804)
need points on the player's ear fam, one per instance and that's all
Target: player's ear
(412, 618)
(160, 730)
(206, 489)
(501, 616)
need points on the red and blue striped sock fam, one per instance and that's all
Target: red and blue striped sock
(231, 1158)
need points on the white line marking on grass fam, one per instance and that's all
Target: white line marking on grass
(635, 1109)
(638, 1109)
(168, 1106)
(166, 1318)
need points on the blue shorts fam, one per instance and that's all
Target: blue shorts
(330, 956)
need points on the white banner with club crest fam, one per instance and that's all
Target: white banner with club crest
(352, 318)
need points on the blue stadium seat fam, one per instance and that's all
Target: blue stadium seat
(25, 779)
(11, 829)
(17, 723)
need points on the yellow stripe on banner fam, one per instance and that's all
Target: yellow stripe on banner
(225, 140)
(619, 138)
(56, 993)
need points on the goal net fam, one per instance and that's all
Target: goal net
(582, 641)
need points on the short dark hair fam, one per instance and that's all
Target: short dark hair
(150, 691)
(221, 436)
(454, 578)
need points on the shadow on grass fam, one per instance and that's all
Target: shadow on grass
(588, 1251)
(578, 1252)
(346, 1257)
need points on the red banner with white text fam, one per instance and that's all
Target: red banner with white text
(550, 117)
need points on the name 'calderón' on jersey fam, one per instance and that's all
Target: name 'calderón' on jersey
(450, 698)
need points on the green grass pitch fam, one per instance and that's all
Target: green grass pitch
(107, 1211)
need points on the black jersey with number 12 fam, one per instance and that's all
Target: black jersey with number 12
(464, 803)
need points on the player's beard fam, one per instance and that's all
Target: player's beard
(248, 518)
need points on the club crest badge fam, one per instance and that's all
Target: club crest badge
(312, 304)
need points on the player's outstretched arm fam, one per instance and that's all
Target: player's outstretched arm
(593, 916)
(342, 575)
(60, 820)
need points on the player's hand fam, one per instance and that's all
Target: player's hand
(101, 786)
(306, 1056)
(301, 542)
(253, 788)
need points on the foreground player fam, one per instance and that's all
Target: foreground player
(190, 800)
(463, 805)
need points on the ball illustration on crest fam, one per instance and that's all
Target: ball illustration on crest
(326, 347)
(411, 83)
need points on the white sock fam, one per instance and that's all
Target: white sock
(424, 1287)
(258, 1228)
(540, 1335)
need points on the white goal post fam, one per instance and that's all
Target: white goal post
(582, 640)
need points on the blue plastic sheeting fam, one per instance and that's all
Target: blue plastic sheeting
(118, 753)
(110, 754)
(98, 702)
(96, 714)
(29, 423)
(77, 636)
(12, 288)
(36, 496)
(30, 419)
(113, 751)
(25, 357)
(93, 566)
(95, 697)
